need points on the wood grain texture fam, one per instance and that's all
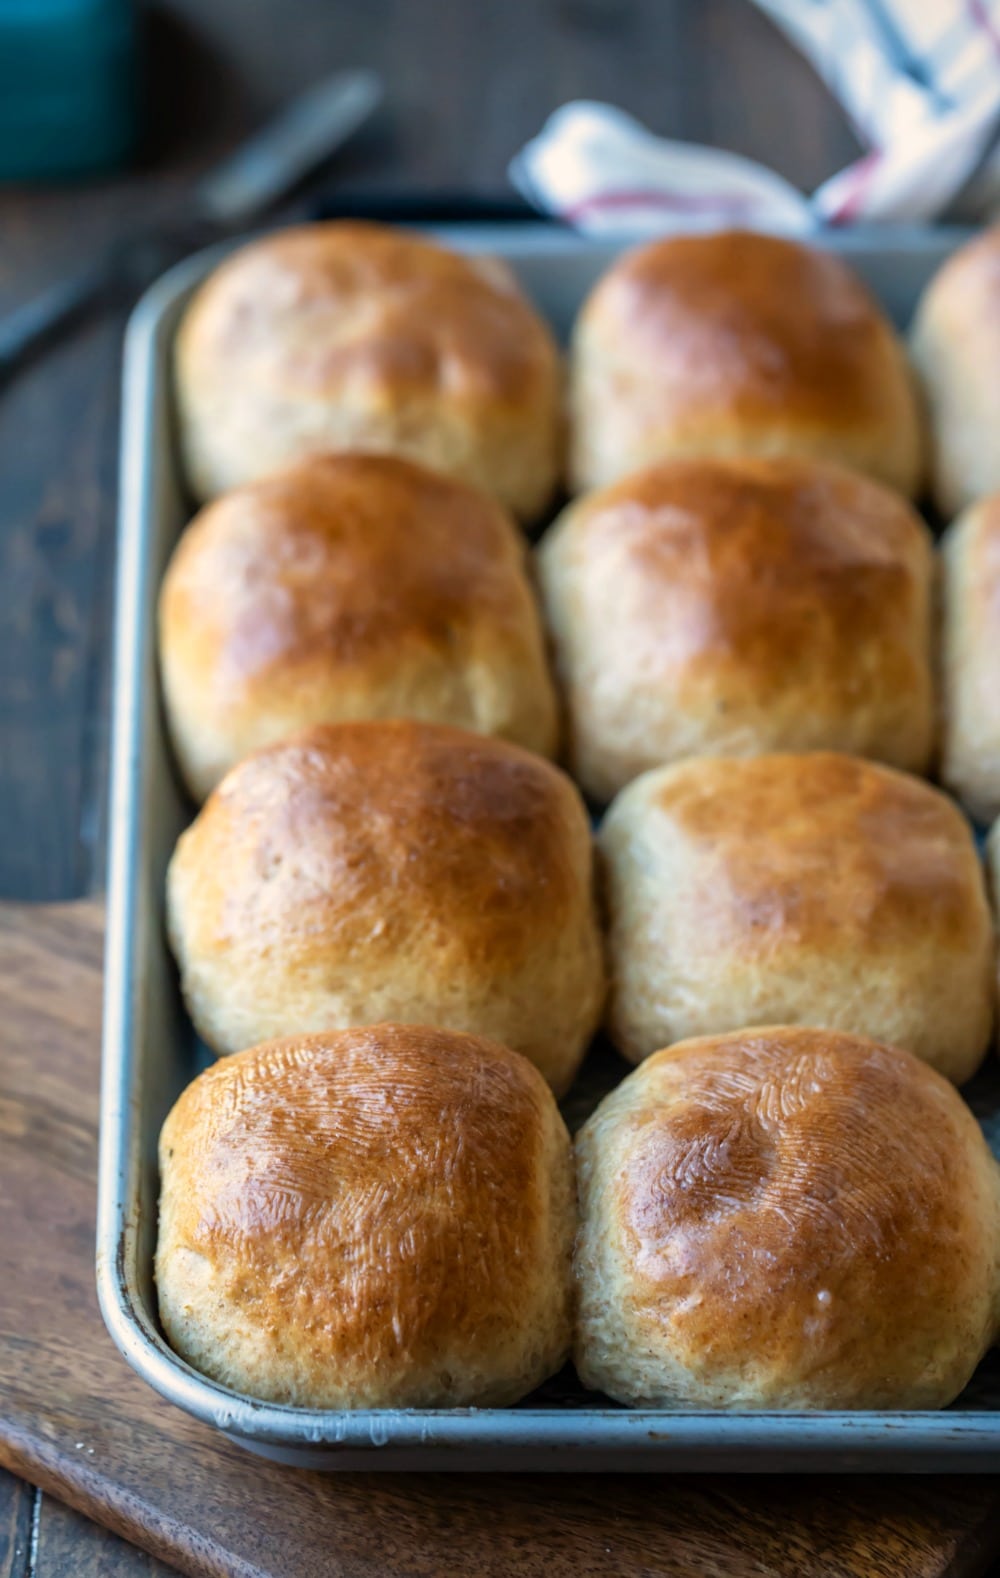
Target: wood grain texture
(17, 1514)
(67, 1543)
(75, 1420)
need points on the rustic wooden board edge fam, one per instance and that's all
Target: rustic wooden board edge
(113, 1507)
(411, 1526)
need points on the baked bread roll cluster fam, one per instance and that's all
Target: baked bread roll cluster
(727, 607)
(738, 344)
(369, 1219)
(349, 336)
(970, 658)
(796, 890)
(366, 872)
(956, 347)
(785, 1218)
(349, 586)
(391, 918)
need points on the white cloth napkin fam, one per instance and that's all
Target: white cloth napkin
(919, 80)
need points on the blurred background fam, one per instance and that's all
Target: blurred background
(150, 97)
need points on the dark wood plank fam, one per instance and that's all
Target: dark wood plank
(56, 456)
(17, 1513)
(74, 1419)
(68, 1545)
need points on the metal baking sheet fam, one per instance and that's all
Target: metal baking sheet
(151, 1052)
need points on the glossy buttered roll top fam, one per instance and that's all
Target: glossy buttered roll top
(787, 1219)
(738, 343)
(812, 889)
(711, 607)
(970, 658)
(376, 1218)
(956, 347)
(351, 336)
(348, 586)
(362, 872)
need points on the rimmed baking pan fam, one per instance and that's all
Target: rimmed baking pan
(151, 1052)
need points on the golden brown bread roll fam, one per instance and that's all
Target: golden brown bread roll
(956, 347)
(348, 586)
(738, 343)
(992, 847)
(813, 889)
(376, 1218)
(970, 658)
(366, 872)
(731, 607)
(356, 336)
(789, 1219)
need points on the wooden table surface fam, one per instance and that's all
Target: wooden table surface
(468, 81)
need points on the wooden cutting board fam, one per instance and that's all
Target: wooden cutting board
(76, 1421)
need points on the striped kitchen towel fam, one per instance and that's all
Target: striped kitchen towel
(919, 80)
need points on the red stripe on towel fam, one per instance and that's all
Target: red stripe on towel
(862, 174)
(737, 203)
(982, 19)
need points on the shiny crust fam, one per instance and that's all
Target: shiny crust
(787, 1219)
(372, 1218)
(709, 607)
(956, 348)
(355, 336)
(368, 872)
(797, 890)
(970, 659)
(738, 343)
(348, 586)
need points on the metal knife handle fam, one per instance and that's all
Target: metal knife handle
(263, 169)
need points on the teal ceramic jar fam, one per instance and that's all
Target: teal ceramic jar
(68, 91)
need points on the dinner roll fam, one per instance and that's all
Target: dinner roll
(348, 586)
(355, 336)
(726, 607)
(376, 1218)
(970, 658)
(785, 1218)
(362, 872)
(956, 347)
(738, 343)
(992, 846)
(815, 889)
